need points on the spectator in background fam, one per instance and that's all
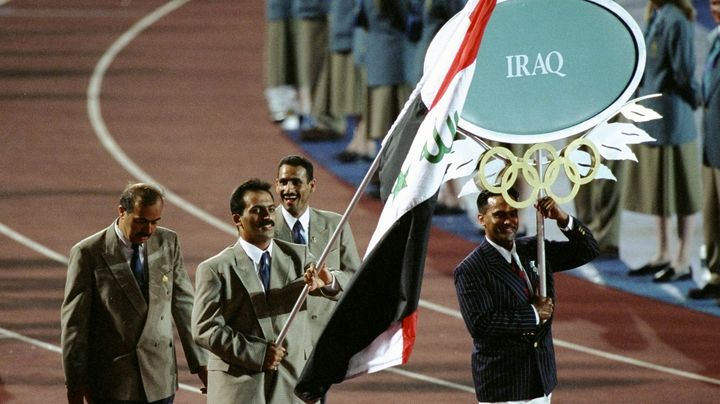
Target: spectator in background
(387, 51)
(342, 98)
(279, 60)
(666, 181)
(711, 162)
(313, 68)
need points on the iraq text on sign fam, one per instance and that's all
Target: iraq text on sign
(547, 70)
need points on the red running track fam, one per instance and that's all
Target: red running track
(182, 99)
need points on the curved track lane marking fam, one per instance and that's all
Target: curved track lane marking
(428, 305)
(107, 140)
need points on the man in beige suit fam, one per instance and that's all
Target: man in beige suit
(244, 297)
(297, 222)
(125, 285)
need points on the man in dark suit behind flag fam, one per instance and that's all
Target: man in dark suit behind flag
(510, 323)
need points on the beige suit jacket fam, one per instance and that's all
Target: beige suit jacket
(342, 260)
(235, 320)
(114, 341)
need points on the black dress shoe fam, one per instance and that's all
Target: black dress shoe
(670, 275)
(609, 252)
(347, 156)
(649, 269)
(709, 291)
(319, 135)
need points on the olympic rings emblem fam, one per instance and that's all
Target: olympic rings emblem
(527, 168)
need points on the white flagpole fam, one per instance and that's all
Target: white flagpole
(541, 230)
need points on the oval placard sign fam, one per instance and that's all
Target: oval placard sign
(549, 69)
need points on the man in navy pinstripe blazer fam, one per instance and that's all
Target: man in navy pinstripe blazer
(513, 357)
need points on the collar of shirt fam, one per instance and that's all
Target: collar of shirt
(254, 252)
(304, 220)
(507, 255)
(712, 35)
(126, 245)
(513, 253)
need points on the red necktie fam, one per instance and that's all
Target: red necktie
(520, 273)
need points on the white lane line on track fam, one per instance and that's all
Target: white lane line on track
(423, 303)
(54, 348)
(95, 115)
(635, 362)
(63, 260)
(33, 245)
(423, 378)
(106, 138)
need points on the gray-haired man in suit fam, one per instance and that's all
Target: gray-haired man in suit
(510, 324)
(125, 286)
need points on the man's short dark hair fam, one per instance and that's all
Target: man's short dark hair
(482, 199)
(140, 194)
(300, 161)
(237, 202)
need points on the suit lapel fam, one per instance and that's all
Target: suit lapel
(280, 275)
(245, 269)
(158, 271)
(282, 229)
(120, 269)
(320, 233)
(503, 271)
(714, 81)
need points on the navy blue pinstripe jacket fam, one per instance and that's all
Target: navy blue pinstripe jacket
(513, 358)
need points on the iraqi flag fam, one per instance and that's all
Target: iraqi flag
(373, 325)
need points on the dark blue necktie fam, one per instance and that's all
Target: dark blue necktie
(264, 270)
(137, 266)
(297, 233)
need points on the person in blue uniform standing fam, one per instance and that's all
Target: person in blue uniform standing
(711, 162)
(666, 181)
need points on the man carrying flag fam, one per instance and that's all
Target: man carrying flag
(373, 325)
(510, 323)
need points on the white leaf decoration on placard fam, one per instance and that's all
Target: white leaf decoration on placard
(463, 159)
(584, 160)
(469, 188)
(637, 113)
(612, 141)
